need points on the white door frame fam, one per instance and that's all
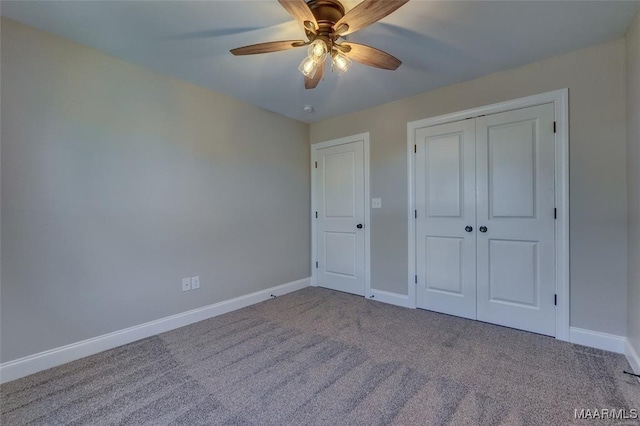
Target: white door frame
(560, 99)
(364, 137)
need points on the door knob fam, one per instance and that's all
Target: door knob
(468, 228)
(359, 226)
(483, 229)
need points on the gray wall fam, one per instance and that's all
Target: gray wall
(117, 183)
(633, 181)
(595, 77)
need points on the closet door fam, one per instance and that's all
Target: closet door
(445, 218)
(515, 215)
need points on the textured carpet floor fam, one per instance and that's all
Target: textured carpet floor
(322, 357)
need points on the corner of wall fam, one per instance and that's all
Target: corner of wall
(632, 46)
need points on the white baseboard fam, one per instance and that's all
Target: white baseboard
(632, 357)
(596, 339)
(391, 298)
(41, 361)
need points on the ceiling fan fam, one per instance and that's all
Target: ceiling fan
(326, 23)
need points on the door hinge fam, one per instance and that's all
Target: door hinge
(415, 149)
(415, 214)
(554, 127)
(316, 265)
(555, 300)
(316, 164)
(555, 213)
(415, 279)
(316, 215)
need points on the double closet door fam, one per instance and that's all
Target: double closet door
(485, 231)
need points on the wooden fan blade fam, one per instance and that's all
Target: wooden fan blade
(272, 46)
(311, 83)
(301, 12)
(365, 14)
(371, 56)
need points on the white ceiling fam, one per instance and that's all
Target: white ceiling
(439, 42)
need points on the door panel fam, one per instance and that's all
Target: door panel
(512, 165)
(443, 257)
(340, 202)
(515, 156)
(340, 253)
(445, 203)
(339, 184)
(445, 176)
(512, 266)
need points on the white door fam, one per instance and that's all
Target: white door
(340, 204)
(494, 177)
(515, 166)
(445, 218)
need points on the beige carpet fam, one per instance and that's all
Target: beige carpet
(323, 357)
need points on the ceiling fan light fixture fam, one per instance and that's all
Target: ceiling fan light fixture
(317, 50)
(341, 62)
(325, 23)
(308, 67)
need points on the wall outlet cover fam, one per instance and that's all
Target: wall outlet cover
(376, 203)
(195, 283)
(186, 284)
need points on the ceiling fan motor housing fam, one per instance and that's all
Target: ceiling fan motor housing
(328, 10)
(327, 13)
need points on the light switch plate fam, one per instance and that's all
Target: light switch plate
(376, 203)
(195, 283)
(186, 284)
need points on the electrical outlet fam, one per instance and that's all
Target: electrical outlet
(186, 284)
(195, 283)
(376, 203)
